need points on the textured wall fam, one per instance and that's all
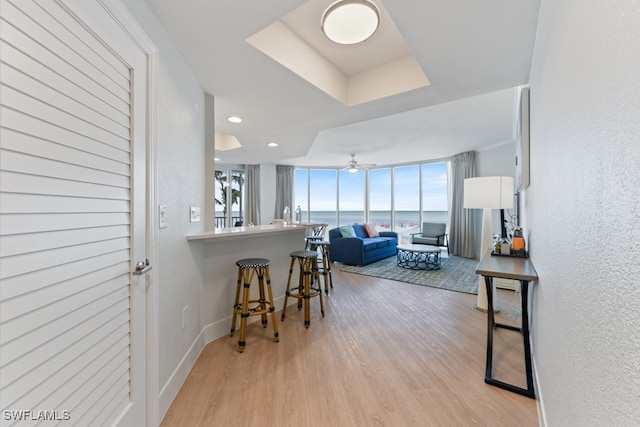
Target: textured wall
(582, 211)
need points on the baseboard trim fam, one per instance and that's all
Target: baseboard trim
(540, 404)
(209, 333)
(171, 388)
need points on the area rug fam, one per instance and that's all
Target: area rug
(457, 273)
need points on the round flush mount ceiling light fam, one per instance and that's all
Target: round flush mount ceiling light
(350, 21)
(234, 119)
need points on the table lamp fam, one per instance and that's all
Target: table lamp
(487, 192)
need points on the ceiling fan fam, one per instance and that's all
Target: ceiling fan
(353, 166)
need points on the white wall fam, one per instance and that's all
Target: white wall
(497, 161)
(582, 211)
(181, 179)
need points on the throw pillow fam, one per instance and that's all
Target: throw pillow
(347, 231)
(371, 230)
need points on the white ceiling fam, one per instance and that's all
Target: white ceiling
(474, 53)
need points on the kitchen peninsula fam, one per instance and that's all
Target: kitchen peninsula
(222, 247)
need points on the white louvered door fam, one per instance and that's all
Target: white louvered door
(72, 216)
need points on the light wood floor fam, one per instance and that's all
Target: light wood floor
(386, 354)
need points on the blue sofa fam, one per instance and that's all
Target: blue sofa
(362, 250)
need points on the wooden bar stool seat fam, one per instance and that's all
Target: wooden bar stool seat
(247, 269)
(305, 290)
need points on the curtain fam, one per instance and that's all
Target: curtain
(461, 228)
(284, 189)
(252, 197)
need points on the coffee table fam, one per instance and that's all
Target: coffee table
(419, 257)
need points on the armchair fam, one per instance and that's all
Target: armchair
(433, 233)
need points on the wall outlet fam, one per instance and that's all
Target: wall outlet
(195, 214)
(185, 316)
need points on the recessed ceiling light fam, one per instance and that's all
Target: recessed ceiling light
(350, 21)
(234, 119)
(217, 159)
(272, 144)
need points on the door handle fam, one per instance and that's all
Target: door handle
(142, 267)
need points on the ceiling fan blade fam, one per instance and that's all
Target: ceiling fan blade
(353, 164)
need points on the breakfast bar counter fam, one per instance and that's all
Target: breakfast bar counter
(222, 247)
(248, 231)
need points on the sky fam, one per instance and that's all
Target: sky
(323, 185)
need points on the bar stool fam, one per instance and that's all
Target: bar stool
(308, 268)
(247, 268)
(326, 261)
(310, 239)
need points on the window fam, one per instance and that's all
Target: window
(322, 196)
(434, 193)
(350, 197)
(396, 198)
(380, 198)
(406, 200)
(229, 198)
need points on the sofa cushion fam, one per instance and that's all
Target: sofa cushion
(360, 231)
(425, 240)
(371, 230)
(376, 242)
(347, 231)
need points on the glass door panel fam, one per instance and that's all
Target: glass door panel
(351, 197)
(380, 198)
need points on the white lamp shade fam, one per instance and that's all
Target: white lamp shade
(495, 192)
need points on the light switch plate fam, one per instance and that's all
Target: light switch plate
(162, 216)
(195, 214)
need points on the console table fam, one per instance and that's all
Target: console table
(513, 268)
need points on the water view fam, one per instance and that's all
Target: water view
(404, 221)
